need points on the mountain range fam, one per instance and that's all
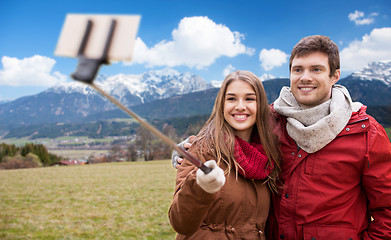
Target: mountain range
(74, 101)
(165, 94)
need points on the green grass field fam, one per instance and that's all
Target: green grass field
(77, 154)
(388, 131)
(100, 201)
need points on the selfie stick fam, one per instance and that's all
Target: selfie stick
(86, 71)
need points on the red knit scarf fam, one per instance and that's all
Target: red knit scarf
(252, 158)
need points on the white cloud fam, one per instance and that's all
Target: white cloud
(33, 71)
(359, 18)
(197, 42)
(228, 69)
(216, 83)
(272, 58)
(265, 77)
(371, 48)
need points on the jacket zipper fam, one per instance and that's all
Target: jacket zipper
(357, 121)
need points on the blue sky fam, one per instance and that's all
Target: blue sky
(206, 37)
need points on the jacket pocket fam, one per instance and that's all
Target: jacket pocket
(321, 232)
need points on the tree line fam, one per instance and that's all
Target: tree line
(145, 146)
(29, 156)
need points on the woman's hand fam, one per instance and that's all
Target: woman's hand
(214, 180)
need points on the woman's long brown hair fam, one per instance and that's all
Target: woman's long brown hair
(217, 138)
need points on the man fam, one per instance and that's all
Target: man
(336, 168)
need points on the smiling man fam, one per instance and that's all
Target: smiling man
(336, 169)
(304, 70)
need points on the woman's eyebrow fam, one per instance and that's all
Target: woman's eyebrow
(233, 94)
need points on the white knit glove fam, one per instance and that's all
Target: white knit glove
(175, 155)
(213, 181)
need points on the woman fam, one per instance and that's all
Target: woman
(233, 200)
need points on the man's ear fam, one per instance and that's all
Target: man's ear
(337, 76)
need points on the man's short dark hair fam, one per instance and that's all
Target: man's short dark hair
(317, 43)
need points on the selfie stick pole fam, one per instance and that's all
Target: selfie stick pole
(86, 71)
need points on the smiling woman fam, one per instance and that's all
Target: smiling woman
(238, 144)
(240, 108)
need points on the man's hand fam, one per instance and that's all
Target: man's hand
(176, 158)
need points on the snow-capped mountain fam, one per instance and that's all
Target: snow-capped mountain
(371, 85)
(74, 101)
(376, 71)
(136, 89)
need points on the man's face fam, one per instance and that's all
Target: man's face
(310, 81)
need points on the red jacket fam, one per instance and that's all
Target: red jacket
(334, 192)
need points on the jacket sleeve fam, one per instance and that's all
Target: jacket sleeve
(377, 182)
(191, 203)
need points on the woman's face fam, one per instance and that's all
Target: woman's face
(240, 108)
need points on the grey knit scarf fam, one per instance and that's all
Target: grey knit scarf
(313, 128)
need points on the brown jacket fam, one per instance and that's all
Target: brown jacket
(238, 211)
